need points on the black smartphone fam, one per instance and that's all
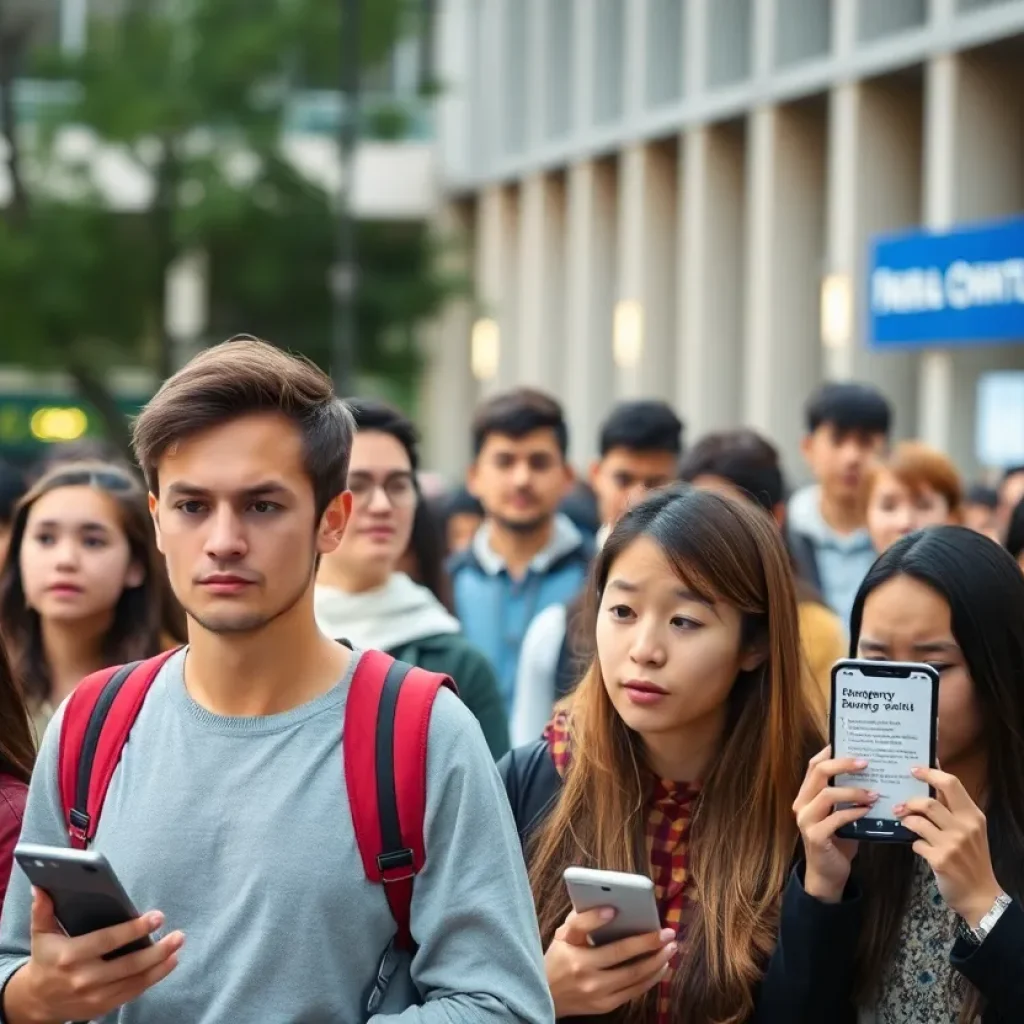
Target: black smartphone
(887, 713)
(86, 894)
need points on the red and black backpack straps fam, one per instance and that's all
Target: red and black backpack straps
(384, 746)
(387, 719)
(97, 720)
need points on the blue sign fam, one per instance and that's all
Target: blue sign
(963, 287)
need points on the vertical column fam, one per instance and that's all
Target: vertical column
(710, 311)
(449, 391)
(497, 275)
(874, 160)
(456, 107)
(541, 321)
(645, 314)
(785, 227)
(935, 400)
(590, 290)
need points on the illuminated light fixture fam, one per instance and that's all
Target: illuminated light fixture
(485, 349)
(836, 311)
(628, 334)
(58, 424)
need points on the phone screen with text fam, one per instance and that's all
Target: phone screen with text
(888, 722)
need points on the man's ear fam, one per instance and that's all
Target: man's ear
(593, 472)
(471, 480)
(333, 523)
(154, 514)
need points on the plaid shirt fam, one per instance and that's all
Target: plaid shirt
(667, 834)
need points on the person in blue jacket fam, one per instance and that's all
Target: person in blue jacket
(527, 555)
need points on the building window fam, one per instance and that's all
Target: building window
(730, 42)
(803, 31)
(665, 50)
(880, 18)
(560, 68)
(609, 80)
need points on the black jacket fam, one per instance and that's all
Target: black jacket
(809, 978)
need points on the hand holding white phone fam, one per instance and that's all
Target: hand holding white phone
(587, 972)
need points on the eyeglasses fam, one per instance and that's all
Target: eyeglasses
(399, 489)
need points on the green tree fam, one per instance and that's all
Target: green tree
(195, 93)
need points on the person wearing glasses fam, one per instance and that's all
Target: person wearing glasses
(362, 598)
(83, 585)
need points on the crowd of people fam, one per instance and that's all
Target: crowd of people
(642, 656)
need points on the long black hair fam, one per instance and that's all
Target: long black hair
(984, 589)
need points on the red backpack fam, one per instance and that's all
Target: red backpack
(387, 716)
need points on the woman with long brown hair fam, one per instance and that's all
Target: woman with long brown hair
(678, 757)
(17, 755)
(83, 585)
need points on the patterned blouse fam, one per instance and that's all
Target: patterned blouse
(917, 987)
(668, 831)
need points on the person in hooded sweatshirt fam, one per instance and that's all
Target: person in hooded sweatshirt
(362, 598)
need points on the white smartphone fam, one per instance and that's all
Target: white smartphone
(86, 893)
(886, 712)
(630, 896)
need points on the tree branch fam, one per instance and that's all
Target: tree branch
(91, 387)
(13, 43)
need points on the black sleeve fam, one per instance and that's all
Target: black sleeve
(810, 975)
(532, 783)
(996, 967)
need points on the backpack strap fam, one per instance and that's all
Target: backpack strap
(98, 717)
(387, 719)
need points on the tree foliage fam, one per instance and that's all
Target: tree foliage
(195, 94)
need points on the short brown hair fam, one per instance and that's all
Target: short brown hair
(517, 413)
(240, 377)
(918, 466)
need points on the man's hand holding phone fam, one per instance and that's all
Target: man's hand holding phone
(586, 979)
(67, 979)
(829, 859)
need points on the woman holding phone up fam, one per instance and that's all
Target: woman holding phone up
(677, 757)
(931, 933)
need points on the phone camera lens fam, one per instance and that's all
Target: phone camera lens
(605, 888)
(90, 869)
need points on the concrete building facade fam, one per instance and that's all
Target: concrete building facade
(677, 198)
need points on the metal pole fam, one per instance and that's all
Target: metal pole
(344, 283)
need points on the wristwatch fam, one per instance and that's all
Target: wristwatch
(976, 936)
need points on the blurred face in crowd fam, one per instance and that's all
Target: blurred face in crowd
(905, 620)
(623, 476)
(840, 460)
(668, 657)
(520, 481)
(895, 509)
(384, 500)
(75, 558)
(461, 528)
(1011, 493)
(982, 519)
(236, 520)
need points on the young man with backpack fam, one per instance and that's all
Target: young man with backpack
(323, 828)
